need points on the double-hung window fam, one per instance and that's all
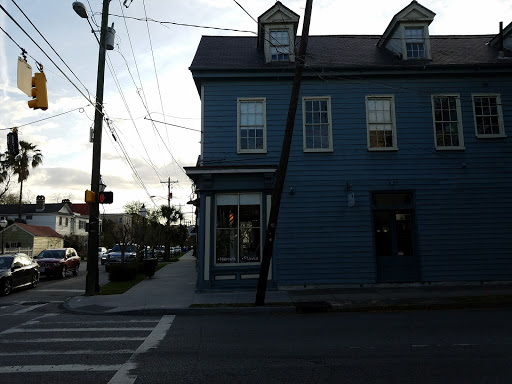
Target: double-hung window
(316, 117)
(380, 122)
(488, 116)
(415, 43)
(252, 135)
(280, 45)
(447, 122)
(238, 229)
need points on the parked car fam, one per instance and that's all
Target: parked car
(17, 270)
(160, 252)
(101, 252)
(103, 258)
(130, 254)
(177, 250)
(57, 262)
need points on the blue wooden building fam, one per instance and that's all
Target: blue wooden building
(401, 161)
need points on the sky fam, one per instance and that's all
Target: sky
(147, 78)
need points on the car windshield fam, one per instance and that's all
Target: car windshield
(51, 254)
(128, 248)
(5, 262)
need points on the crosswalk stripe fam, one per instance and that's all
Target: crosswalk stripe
(39, 330)
(30, 308)
(73, 339)
(58, 368)
(123, 375)
(86, 352)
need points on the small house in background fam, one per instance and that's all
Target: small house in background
(59, 216)
(20, 237)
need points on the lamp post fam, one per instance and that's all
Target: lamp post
(3, 224)
(92, 281)
(143, 213)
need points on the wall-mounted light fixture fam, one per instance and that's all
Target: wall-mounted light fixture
(351, 199)
(292, 192)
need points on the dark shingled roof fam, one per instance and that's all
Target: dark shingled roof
(232, 53)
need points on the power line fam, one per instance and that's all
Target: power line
(42, 50)
(46, 118)
(147, 19)
(47, 42)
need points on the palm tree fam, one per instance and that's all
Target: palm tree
(171, 215)
(29, 155)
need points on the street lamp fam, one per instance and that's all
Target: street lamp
(92, 281)
(143, 213)
(3, 224)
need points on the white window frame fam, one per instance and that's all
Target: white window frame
(426, 41)
(391, 98)
(262, 228)
(305, 99)
(460, 130)
(268, 44)
(262, 100)
(501, 125)
(281, 49)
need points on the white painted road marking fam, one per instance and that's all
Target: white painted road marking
(73, 339)
(85, 352)
(58, 368)
(42, 330)
(28, 309)
(123, 376)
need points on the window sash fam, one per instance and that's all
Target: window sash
(380, 122)
(415, 43)
(447, 122)
(280, 45)
(488, 116)
(317, 124)
(251, 125)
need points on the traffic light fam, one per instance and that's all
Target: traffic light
(12, 142)
(39, 94)
(106, 197)
(90, 197)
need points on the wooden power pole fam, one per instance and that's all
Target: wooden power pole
(283, 163)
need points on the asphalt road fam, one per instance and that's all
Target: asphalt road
(405, 347)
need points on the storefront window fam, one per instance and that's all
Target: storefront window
(238, 233)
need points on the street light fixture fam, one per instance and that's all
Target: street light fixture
(3, 224)
(92, 280)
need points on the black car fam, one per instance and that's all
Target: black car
(17, 271)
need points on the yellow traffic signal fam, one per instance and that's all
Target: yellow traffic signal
(39, 92)
(90, 197)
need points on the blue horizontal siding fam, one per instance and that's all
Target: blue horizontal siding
(463, 209)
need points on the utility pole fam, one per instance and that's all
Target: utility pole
(283, 163)
(168, 182)
(92, 277)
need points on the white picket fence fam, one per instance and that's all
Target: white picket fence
(12, 251)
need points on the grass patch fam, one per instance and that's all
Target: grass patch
(118, 287)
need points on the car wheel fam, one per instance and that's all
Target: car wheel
(75, 271)
(6, 287)
(34, 280)
(63, 272)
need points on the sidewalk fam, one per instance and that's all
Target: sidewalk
(172, 291)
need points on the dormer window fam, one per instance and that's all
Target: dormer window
(407, 34)
(277, 32)
(415, 43)
(280, 45)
